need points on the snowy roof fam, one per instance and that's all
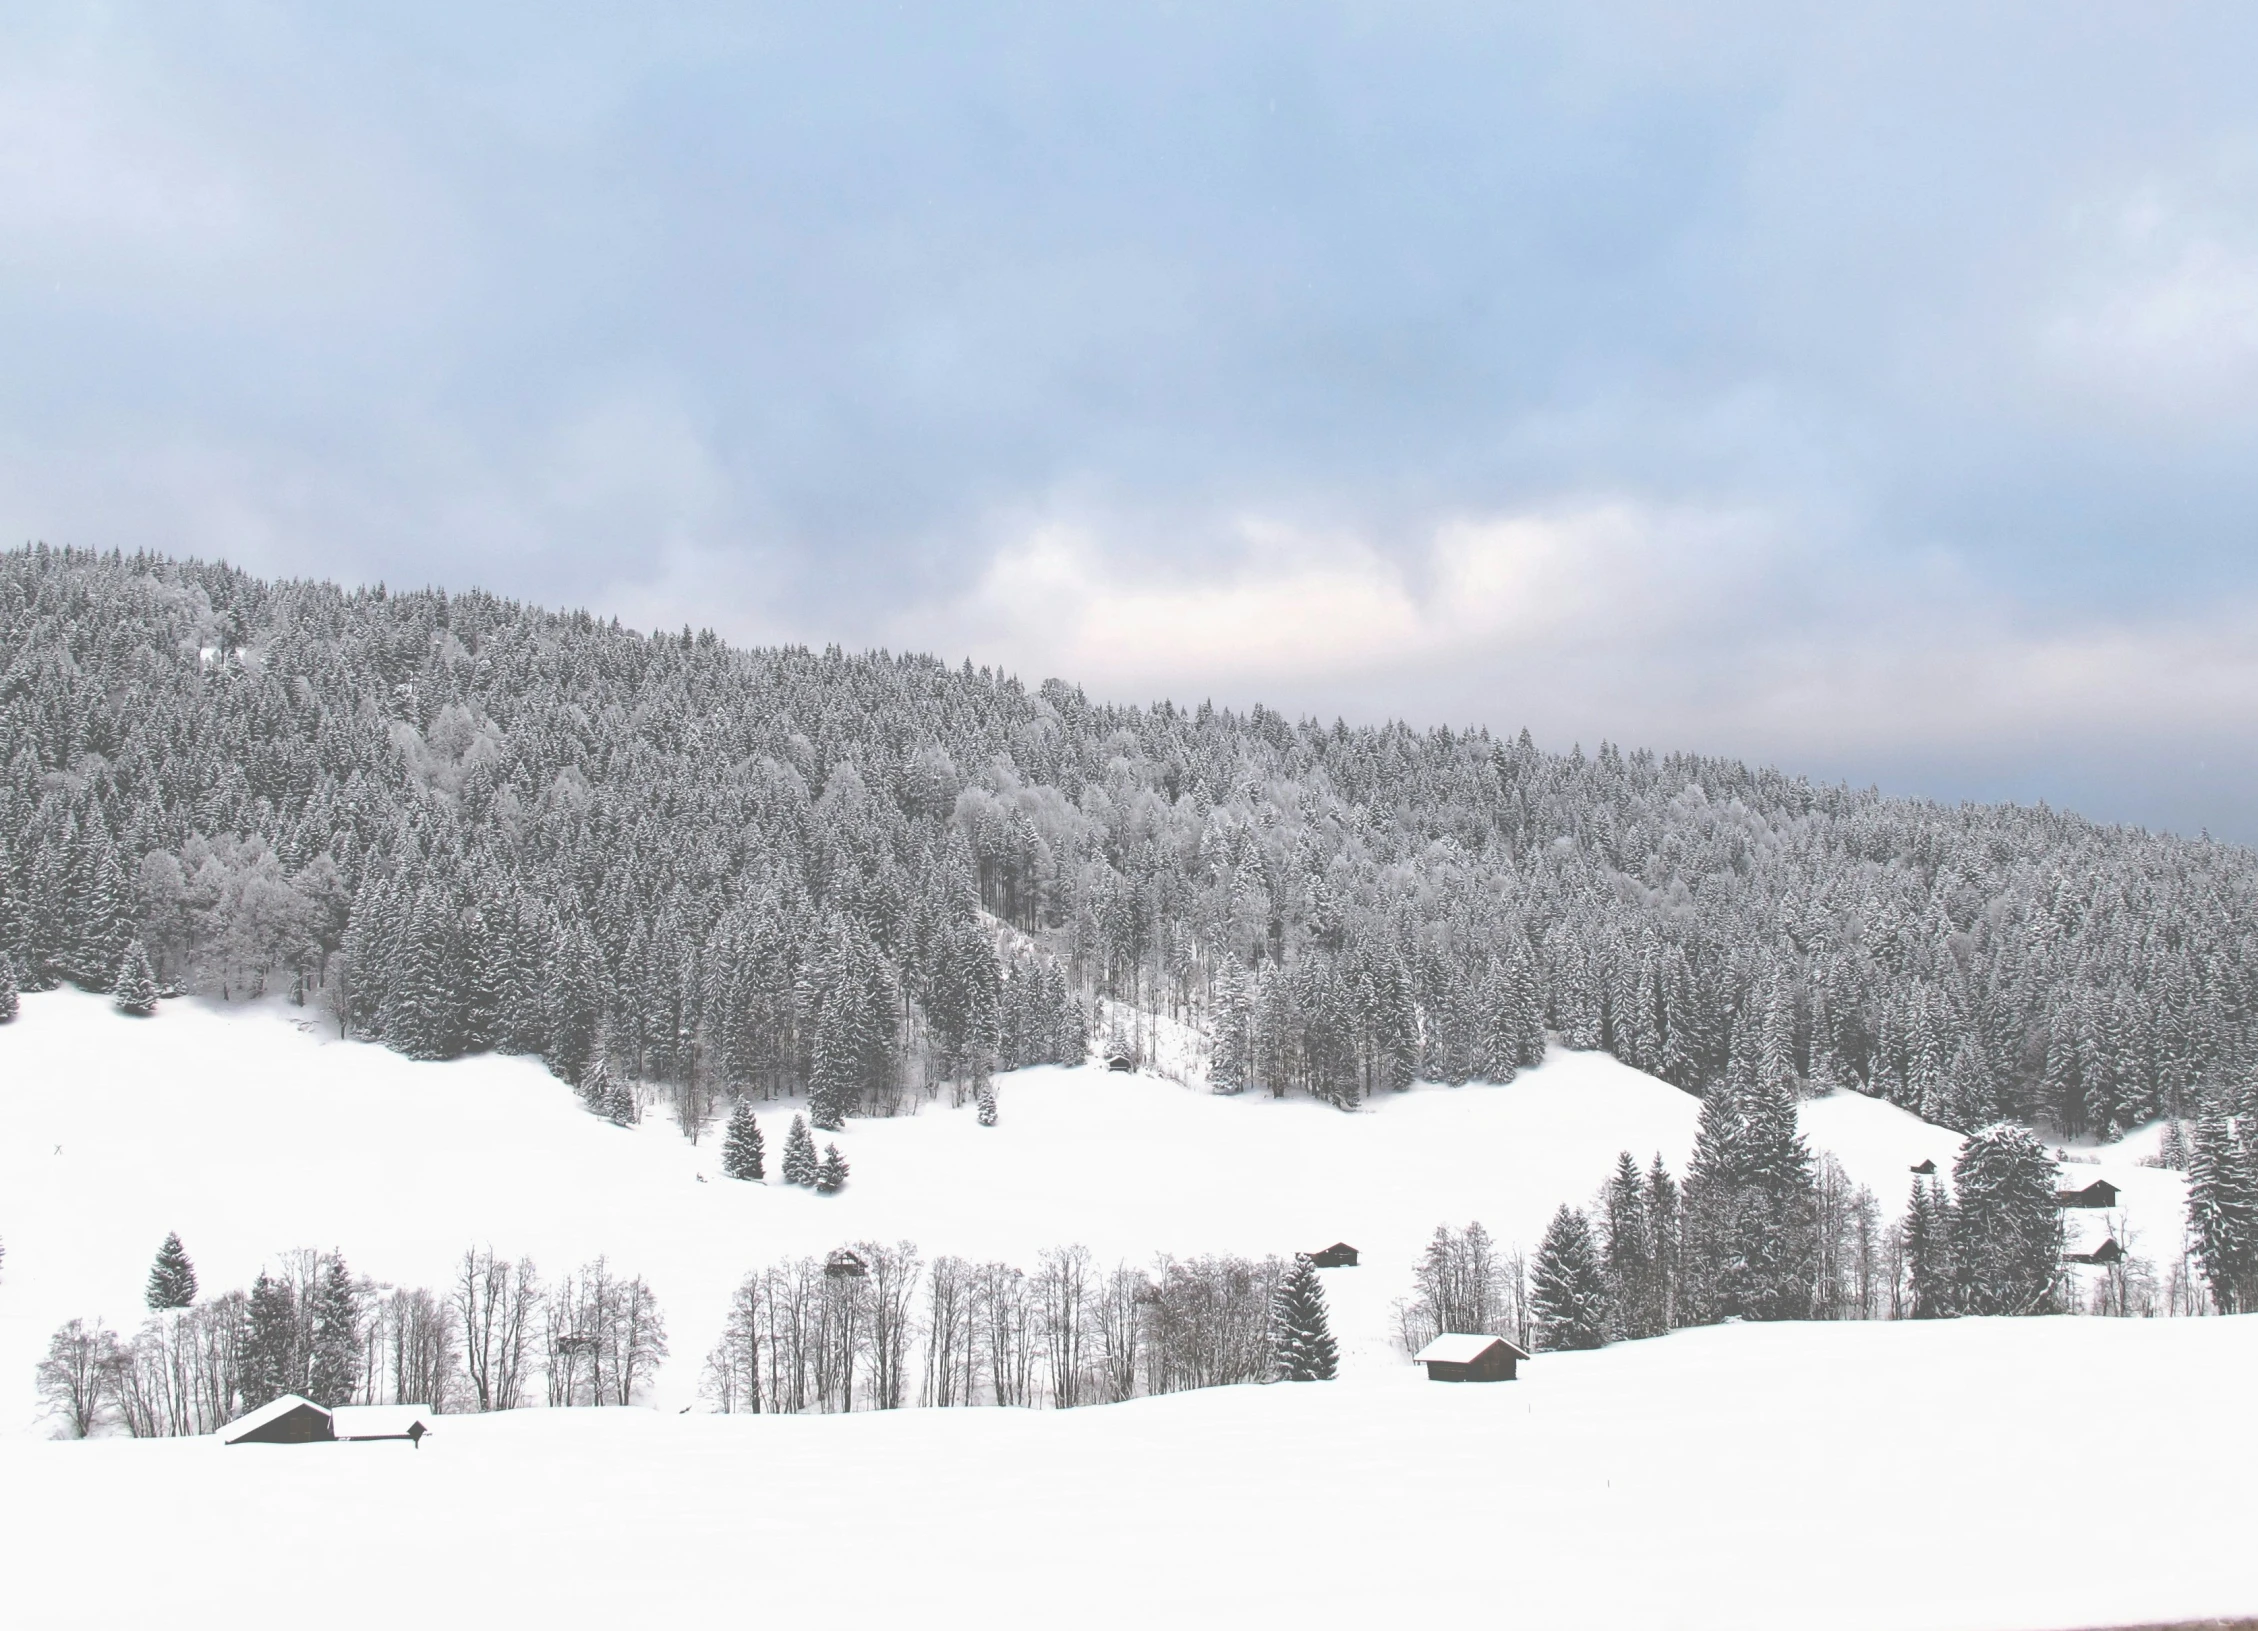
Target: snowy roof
(379, 1420)
(273, 1410)
(1460, 1348)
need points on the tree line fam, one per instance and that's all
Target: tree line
(498, 1337)
(875, 1327)
(463, 823)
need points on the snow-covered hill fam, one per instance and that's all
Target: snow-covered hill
(253, 1131)
(1886, 1475)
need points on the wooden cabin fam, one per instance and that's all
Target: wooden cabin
(1339, 1255)
(374, 1423)
(1927, 1169)
(844, 1265)
(2100, 1193)
(2107, 1252)
(287, 1420)
(1463, 1357)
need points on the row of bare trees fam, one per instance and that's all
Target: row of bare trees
(497, 1338)
(869, 1325)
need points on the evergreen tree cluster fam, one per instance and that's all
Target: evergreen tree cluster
(1991, 1243)
(469, 824)
(2222, 1204)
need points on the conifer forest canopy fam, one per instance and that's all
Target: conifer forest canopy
(461, 823)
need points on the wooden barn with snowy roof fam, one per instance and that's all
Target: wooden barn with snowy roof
(1339, 1255)
(2096, 1195)
(1458, 1356)
(287, 1420)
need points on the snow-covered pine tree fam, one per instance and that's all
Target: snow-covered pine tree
(799, 1154)
(172, 1277)
(1231, 1056)
(1777, 1223)
(2222, 1213)
(831, 1175)
(984, 1092)
(743, 1154)
(619, 1107)
(2006, 1230)
(136, 984)
(1568, 1285)
(594, 1085)
(268, 1361)
(1301, 1334)
(1627, 1250)
(333, 1362)
(8, 988)
(1925, 1237)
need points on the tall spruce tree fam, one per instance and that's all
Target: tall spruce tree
(831, 1173)
(1627, 1248)
(742, 1152)
(1925, 1237)
(1301, 1333)
(268, 1363)
(1568, 1285)
(8, 988)
(172, 1277)
(333, 1360)
(799, 1154)
(2222, 1213)
(2006, 1230)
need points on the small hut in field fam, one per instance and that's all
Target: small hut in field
(1339, 1255)
(2097, 1195)
(287, 1420)
(1458, 1356)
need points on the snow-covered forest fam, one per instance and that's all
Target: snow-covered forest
(457, 823)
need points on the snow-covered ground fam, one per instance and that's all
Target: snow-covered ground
(1898, 1475)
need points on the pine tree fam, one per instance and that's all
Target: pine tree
(1569, 1285)
(618, 1105)
(8, 988)
(172, 1278)
(986, 1094)
(831, 1176)
(2006, 1231)
(799, 1154)
(1926, 1237)
(1301, 1334)
(334, 1362)
(742, 1153)
(1627, 1249)
(135, 985)
(268, 1362)
(2222, 1214)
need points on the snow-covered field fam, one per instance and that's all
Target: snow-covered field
(1971, 1473)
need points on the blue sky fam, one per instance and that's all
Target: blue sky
(1872, 390)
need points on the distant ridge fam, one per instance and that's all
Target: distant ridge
(461, 823)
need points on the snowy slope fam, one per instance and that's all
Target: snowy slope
(1898, 1476)
(251, 1131)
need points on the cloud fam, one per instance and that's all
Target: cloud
(1735, 631)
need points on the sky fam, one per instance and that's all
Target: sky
(1866, 389)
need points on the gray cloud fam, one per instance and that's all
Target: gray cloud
(1879, 380)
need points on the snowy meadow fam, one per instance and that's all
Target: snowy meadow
(1884, 1473)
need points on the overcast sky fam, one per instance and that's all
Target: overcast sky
(1871, 389)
